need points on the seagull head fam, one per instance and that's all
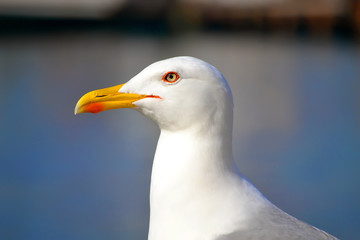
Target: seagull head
(176, 93)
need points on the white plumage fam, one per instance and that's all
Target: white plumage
(197, 193)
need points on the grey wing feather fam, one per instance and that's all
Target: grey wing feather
(274, 224)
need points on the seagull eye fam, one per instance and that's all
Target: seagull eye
(171, 77)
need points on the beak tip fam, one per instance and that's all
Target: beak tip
(77, 109)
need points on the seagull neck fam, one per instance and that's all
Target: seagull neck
(190, 158)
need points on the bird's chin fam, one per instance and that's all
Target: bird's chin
(148, 112)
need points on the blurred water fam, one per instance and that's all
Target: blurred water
(296, 130)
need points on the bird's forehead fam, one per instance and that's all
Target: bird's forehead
(187, 67)
(169, 65)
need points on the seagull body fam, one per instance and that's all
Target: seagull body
(197, 192)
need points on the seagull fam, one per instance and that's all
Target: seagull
(197, 191)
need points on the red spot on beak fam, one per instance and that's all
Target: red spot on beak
(94, 107)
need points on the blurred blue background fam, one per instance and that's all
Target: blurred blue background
(293, 68)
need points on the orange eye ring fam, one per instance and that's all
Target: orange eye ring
(171, 77)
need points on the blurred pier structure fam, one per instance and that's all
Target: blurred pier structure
(313, 17)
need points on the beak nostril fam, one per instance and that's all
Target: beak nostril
(101, 96)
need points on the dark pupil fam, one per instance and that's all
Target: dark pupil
(171, 76)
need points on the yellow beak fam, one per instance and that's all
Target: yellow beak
(106, 99)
